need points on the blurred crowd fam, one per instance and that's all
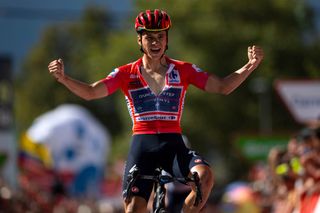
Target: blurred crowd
(287, 182)
(42, 191)
(295, 173)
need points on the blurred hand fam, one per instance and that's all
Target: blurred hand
(255, 55)
(56, 68)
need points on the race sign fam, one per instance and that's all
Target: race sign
(301, 97)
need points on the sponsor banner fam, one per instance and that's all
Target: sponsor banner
(257, 147)
(301, 97)
(67, 138)
(69, 142)
(157, 117)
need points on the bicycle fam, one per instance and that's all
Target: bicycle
(159, 189)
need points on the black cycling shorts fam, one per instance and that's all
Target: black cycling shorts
(151, 151)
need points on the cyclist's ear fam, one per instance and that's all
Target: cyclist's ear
(139, 39)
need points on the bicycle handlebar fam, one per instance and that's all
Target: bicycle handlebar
(132, 177)
(162, 180)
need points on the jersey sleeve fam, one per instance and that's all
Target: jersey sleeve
(197, 77)
(113, 81)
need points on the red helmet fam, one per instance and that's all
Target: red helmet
(156, 20)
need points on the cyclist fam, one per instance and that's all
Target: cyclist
(154, 87)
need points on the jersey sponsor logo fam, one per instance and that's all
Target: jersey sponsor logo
(157, 117)
(135, 189)
(174, 77)
(114, 73)
(196, 68)
(144, 100)
(198, 160)
(135, 84)
(133, 76)
(193, 153)
(169, 99)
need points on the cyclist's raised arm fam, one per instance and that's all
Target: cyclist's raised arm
(83, 90)
(229, 83)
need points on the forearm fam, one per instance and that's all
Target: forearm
(229, 83)
(83, 90)
(235, 79)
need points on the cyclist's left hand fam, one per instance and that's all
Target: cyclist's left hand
(255, 55)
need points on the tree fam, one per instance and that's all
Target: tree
(215, 35)
(211, 34)
(82, 46)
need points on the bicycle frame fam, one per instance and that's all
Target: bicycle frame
(159, 186)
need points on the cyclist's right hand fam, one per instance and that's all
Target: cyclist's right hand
(56, 68)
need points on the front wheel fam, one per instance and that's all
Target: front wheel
(160, 211)
(159, 199)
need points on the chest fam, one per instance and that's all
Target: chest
(164, 93)
(155, 81)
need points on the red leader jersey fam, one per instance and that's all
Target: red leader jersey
(155, 113)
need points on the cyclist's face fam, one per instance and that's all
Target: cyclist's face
(153, 43)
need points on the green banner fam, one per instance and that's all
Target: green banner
(257, 147)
